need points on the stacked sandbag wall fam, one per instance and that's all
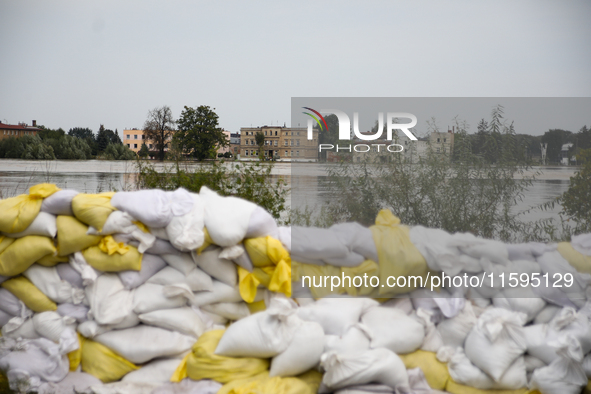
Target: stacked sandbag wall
(178, 292)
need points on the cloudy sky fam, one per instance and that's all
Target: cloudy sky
(85, 63)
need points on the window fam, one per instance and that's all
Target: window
(298, 133)
(255, 152)
(444, 139)
(275, 143)
(134, 146)
(150, 146)
(290, 142)
(291, 152)
(128, 136)
(285, 153)
(135, 136)
(437, 139)
(265, 132)
(275, 132)
(285, 141)
(128, 145)
(297, 142)
(292, 133)
(297, 152)
(143, 137)
(246, 152)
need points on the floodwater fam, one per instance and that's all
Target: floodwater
(92, 176)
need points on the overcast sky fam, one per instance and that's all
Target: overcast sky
(85, 63)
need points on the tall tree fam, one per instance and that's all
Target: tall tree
(106, 137)
(199, 134)
(81, 132)
(159, 128)
(259, 138)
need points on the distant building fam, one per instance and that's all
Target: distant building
(283, 143)
(565, 153)
(235, 144)
(9, 130)
(134, 138)
(442, 142)
(225, 149)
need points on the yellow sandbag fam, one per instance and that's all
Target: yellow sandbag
(52, 260)
(396, 253)
(17, 213)
(75, 355)
(456, 388)
(24, 252)
(112, 256)
(93, 209)
(576, 259)
(71, 236)
(102, 363)
(587, 390)
(5, 242)
(258, 306)
(202, 363)
(435, 371)
(247, 285)
(263, 384)
(29, 294)
(270, 259)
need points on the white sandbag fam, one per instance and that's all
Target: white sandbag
(221, 269)
(392, 329)
(11, 305)
(151, 264)
(587, 366)
(220, 292)
(532, 363)
(404, 304)
(354, 341)
(49, 282)
(264, 334)
(226, 218)
(238, 255)
(59, 203)
(260, 224)
(229, 310)
(4, 318)
(59, 329)
(373, 366)
(28, 363)
(455, 330)
(547, 314)
(78, 312)
(184, 320)
(182, 262)
(556, 266)
(161, 247)
(120, 223)
(567, 322)
(464, 372)
(480, 248)
(123, 388)
(436, 247)
(90, 328)
(496, 341)
(432, 341)
(316, 245)
(74, 382)
(17, 327)
(565, 375)
(196, 279)
(336, 314)
(157, 371)
(143, 343)
(373, 388)
(88, 273)
(154, 208)
(44, 224)
(211, 319)
(109, 301)
(511, 299)
(150, 297)
(302, 354)
(159, 232)
(188, 386)
(70, 275)
(185, 232)
(357, 238)
(284, 236)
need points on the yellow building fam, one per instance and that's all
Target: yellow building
(134, 138)
(289, 143)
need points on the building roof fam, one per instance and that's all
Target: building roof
(4, 126)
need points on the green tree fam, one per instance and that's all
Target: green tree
(159, 128)
(329, 136)
(555, 138)
(118, 152)
(81, 132)
(259, 138)
(199, 134)
(576, 201)
(106, 137)
(144, 152)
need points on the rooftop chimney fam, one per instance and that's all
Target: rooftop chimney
(34, 123)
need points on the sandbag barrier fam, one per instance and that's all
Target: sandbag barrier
(176, 292)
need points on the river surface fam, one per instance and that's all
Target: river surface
(92, 176)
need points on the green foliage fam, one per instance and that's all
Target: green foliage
(38, 150)
(576, 201)
(259, 138)
(105, 137)
(144, 151)
(555, 139)
(81, 132)
(330, 136)
(252, 182)
(118, 152)
(159, 128)
(199, 134)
